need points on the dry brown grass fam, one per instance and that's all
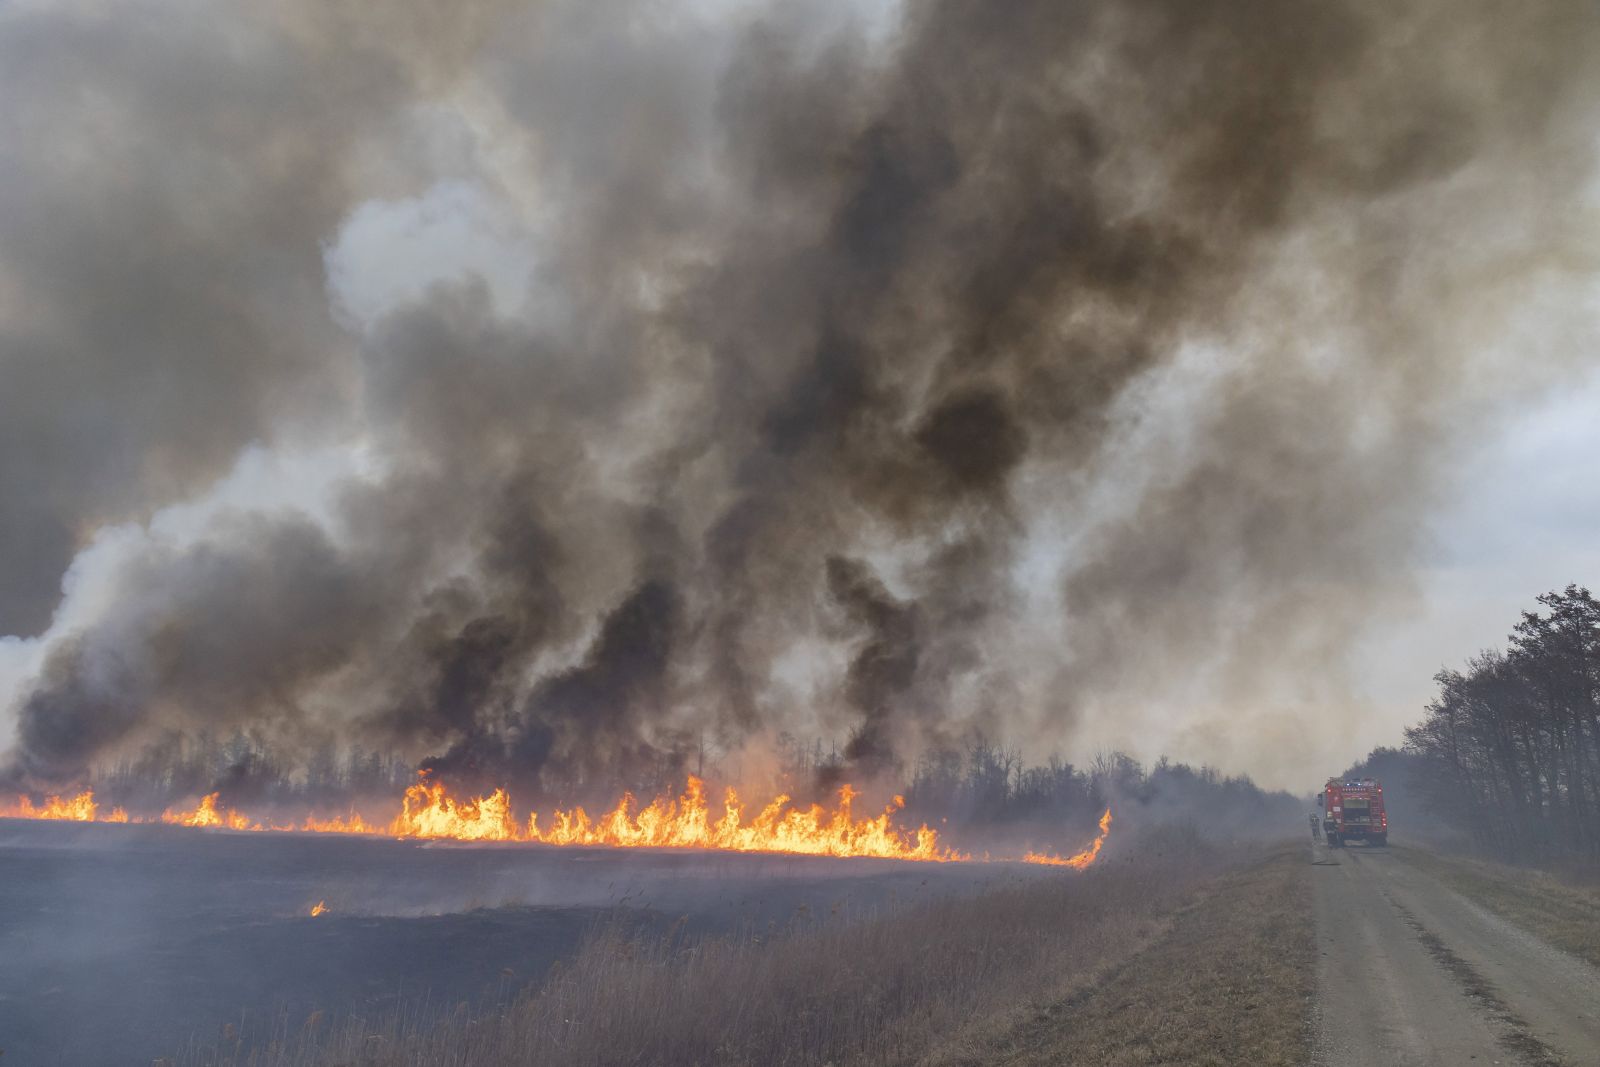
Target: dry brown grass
(1228, 984)
(1562, 914)
(892, 989)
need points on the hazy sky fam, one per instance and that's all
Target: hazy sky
(1524, 521)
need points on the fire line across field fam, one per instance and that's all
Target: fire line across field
(430, 811)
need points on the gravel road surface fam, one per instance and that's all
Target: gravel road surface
(1410, 972)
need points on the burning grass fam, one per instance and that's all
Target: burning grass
(79, 808)
(1078, 860)
(891, 988)
(429, 810)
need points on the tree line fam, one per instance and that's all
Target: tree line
(1508, 753)
(962, 789)
(985, 785)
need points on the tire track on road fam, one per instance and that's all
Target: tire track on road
(1392, 990)
(1517, 1037)
(1555, 994)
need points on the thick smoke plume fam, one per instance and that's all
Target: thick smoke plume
(1077, 373)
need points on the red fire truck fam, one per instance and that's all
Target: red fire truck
(1353, 808)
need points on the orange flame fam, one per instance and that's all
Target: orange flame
(206, 814)
(428, 810)
(319, 908)
(80, 808)
(351, 824)
(687, 823)
(1082, 859)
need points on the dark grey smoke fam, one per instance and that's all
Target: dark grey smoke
(165, 187)
(224, 634)
(884, 669)
(831, 331)
(591, 719)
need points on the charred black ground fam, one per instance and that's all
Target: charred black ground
(126, 943)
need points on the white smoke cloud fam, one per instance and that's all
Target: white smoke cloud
(389, 252)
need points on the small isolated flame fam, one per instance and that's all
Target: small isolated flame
(1082, 859)
(319, 908)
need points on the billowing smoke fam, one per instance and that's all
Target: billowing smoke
(1078, 373)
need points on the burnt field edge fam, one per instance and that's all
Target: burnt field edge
(900, 987)
(1228, 978)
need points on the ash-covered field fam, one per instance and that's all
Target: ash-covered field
(121, 943)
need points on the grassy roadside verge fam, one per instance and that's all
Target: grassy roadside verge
(1562, 915)
(1228, 983)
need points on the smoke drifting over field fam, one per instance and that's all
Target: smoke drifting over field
(1079, 373)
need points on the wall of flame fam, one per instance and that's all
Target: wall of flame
(429, 810)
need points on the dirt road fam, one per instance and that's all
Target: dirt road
(1409, 972)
